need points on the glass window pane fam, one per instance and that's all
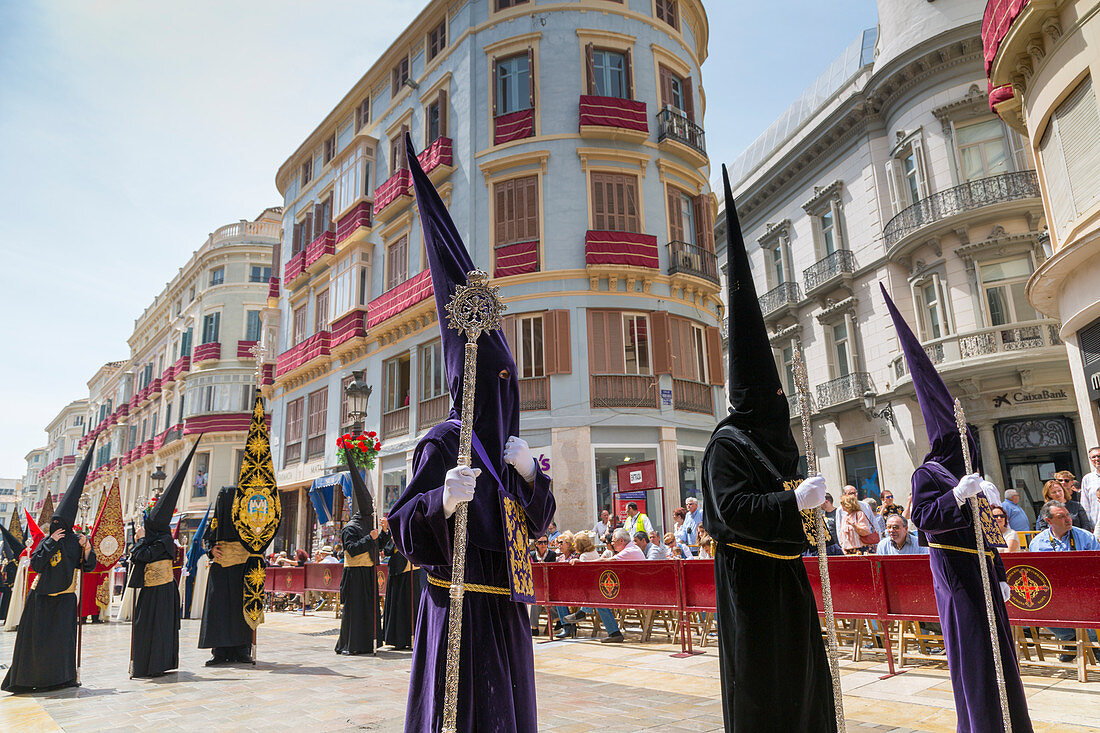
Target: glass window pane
(1024, 311)
(998, 308)
(998, 271)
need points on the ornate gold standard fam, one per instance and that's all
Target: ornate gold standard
(474, 309)
(979, 544)
(802, 385)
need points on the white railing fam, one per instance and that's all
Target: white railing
(986, 342)
(246, 230)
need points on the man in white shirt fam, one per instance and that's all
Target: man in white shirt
(693, 519)
(601, 527)
(1090, 485)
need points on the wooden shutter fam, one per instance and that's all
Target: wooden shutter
(508, 324)
(892, 186)
(307, 230)
(605, 342)
(659, 339)
(629, 73)
(556, 342)
(714, 356)
(699, 207)
(631, 222)
(590, 67)
(597, 203)
(530, 211)
(442, 102)
(531, 76)
(678, 358)
(500, 191)
(689, 99)
(666, 86)
(675, 216)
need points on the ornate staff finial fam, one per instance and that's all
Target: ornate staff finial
(257, 351)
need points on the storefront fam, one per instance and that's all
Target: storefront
(861, 470)
(1032, 449)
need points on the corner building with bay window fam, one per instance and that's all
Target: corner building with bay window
(891, 168)
(568, 143)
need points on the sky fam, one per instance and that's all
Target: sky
(131, 129)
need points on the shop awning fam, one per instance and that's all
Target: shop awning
(323, 495)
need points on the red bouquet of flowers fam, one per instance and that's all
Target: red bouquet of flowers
(358, 450)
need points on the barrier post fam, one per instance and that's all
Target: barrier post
(882, 608)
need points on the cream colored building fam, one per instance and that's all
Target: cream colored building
(891, 169)
(33, 489)
(1041, 57)
(62, 452)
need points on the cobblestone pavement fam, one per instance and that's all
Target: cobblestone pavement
(582, 686)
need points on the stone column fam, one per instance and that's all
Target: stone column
(303, 533)
(574, 473)
(991, 458)
(670, 473)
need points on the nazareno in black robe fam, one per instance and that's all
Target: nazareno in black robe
(774, 670)
(155, 633)
(223, 628)
(45, 645)
(359, 624)
(7, 582)
(402, 596)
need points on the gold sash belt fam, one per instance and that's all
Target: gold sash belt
(765, 553)
(971, 550)
(158, 573)
(358, 561)
(233, 553)
(475, 587)
(70, 589)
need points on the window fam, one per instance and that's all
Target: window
(1070, 151)
(292, 453)
(699, 353)
(504, 4)
(253, 326)
(399, 160)
(397, 384)
(778, 271)
(609, 72)
(437, 40)
(842, 351)
(303, 231)
(315, 424)
(932, 306)
(185, 342)
(516, 210)
(513, 85)
(191, 295)
(436, 123)
(259, 274)
(397, 262)
(676, 92)
(433, 375)
(636, 343)
(322, 217)
(202, 475)
(352, 178)
(529, 352)
(345, 411)
(615, 202)
(362, 114)
(329, 150)
(689, 219)
(299, 325)
(307, 172)
(982, 150)
(861, 470)
(912, 182)
(1003, 284)
(668, 11)
(217, 276)
(210, 326)
(320, 311)
(787, 355)
(906, 173)
(827, 222)
(399, 76)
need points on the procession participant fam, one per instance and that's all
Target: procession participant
(23, 575)
(358, 585)
(224, 629)
(941, 512)
(187, 586)
(155, 634)
(402, 593)
(774, 672)
(108, 536)
(512, 501)
(45, 645)
(9, 565)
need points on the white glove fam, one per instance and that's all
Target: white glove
(518, 454)
(1005, 591)
(992, 494)
(458, 487)
(970, 485)
(810, 494)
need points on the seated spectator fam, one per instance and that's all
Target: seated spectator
(565, 546)
(1017, 519)
(830, 521)
(650, 550)
(877, 520)
(888, 506)
(673, 550)
(1011, 538)
(301, 557)
(602, 526)
(541, 553)
(853, 526)
(552, 531)
(325, 555)
(624, 550)
(680, 530)
(706, 549)
(899, 540)
(656, 541)
(1057, 490)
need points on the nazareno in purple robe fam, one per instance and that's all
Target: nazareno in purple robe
(956, 575)
(497, 678)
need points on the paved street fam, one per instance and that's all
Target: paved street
(583, 686)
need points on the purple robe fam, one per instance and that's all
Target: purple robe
(957, 581)
(497, 684)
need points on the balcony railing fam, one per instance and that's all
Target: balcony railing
(623, 390)
(823, 272)
(432, 411)
(534, 393)
(987, 342)
(440, 153)
(971, 195)
(796, 407)
(395, 422)
(673, 125)
(692, 396)
(691, 259)
(323, 244)
(787, 294)
(844, 389)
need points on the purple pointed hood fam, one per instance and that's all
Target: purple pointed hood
(936, 404)
(496, 411)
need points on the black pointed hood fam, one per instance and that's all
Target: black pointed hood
(64, 515)
(12, 546)
(362, 504)
(758, 405)
(160, 516)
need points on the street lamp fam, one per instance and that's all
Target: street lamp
(358, 394)
(158, 477)
(885, 413)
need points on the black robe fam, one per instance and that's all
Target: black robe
(45, 645)
(774, 671)
(223, 627)
(402, 596)
(359, 624)
(155, 633)
(7, 582)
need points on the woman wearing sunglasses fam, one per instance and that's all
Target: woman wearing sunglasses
(1061, 489)
(1013, 539)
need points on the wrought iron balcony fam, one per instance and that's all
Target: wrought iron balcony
(958, 348)
(692, 396)
(623, 390)
(691, 259)
(823, 272)
(844, 389)
(967, 197)
(673, 125)
(786, 295)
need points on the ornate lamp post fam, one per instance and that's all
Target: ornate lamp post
(358, 393)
